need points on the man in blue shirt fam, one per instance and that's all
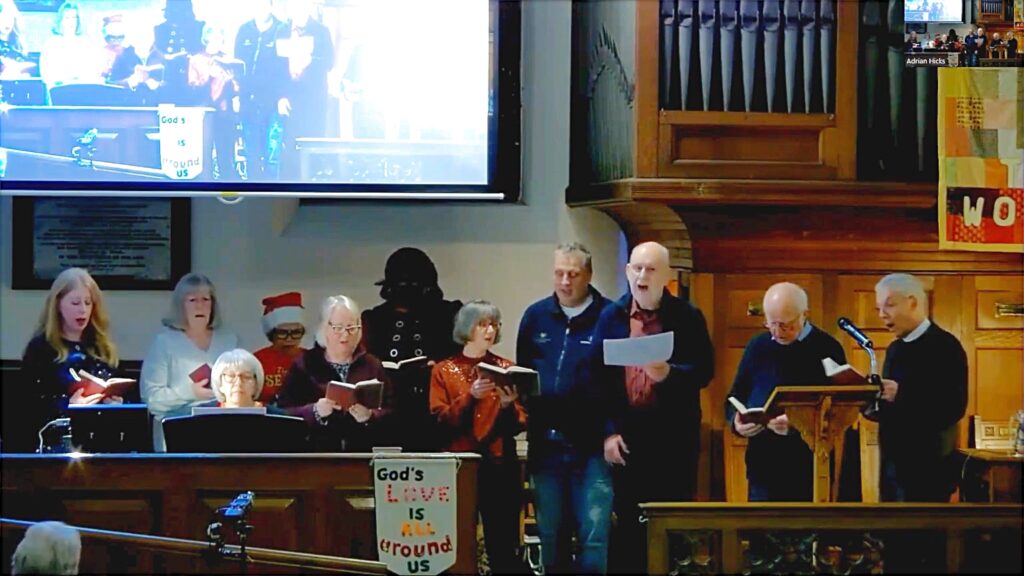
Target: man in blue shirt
(572, 482)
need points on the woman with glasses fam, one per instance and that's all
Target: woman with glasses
(283, 323)
(340, 356)
(238, 380)
(484, 418)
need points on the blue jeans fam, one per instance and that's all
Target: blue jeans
(568, 486)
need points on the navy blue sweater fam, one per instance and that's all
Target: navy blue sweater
(772, 459)
(560, 349)
(918, 430)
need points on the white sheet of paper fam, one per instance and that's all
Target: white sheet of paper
(639, 351)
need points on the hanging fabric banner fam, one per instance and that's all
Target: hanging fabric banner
(415, 503)
(981, 159)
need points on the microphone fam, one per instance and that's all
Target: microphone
(860, 337)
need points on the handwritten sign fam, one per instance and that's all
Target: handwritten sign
(416, 519)
(181, 141)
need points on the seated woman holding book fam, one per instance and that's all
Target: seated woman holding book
(337, 357)
(73, 335)
(484, 418)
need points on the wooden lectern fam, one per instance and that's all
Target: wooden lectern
(822, 414)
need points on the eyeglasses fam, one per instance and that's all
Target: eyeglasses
(237, 377)
(285, 334)
(787, 326)
(350, 330)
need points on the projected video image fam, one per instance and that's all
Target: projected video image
(933, 10)
(288, 91)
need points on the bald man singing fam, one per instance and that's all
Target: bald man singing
(653, 426)
(779, 464)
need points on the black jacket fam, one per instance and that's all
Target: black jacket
(673, 423)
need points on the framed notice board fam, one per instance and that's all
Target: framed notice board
(124, 243)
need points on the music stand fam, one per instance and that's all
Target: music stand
(87, 94)
(235, 433)
(26, 92)
(111, 428)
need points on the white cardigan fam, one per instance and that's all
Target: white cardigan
(165, 383)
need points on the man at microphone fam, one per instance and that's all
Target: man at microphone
(924, 395)
(779, 463)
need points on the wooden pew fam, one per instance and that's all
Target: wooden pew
(312, 503)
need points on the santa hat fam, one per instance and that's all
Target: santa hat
(281, 309)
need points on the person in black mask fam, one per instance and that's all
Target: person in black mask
(179, 36)
(414, 320)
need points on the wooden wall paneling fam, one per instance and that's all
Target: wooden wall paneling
(840, 144)
(123, 511)
(277, 519)
(351, 505)
(994, 341)
(946, 310)
(710, 464)
(646, 103)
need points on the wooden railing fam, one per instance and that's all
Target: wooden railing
(832, 539)
(106, 551)
(320, 504)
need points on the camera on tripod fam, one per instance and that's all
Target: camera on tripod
(234, 515)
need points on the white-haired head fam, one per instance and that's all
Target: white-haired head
(48, 548)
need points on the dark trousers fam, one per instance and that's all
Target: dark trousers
(929, 482)
(499, 488)
(916, 551)
(658, 476)
(797, 488)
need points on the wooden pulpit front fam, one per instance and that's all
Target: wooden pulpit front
(822, 414)
(311, 503)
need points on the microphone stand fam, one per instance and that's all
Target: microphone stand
(874, 378)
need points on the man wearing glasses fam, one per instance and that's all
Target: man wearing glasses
(283, 324)
(779, 464)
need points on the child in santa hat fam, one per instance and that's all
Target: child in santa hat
(283, 325)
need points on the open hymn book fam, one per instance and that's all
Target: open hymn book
(91, 385)
(369, 393)
(842, 375)
(757, 415)
(524, 380)
(408, 363)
